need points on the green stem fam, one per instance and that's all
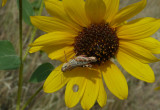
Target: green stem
(25, 56)
(33, 33)
(31, 40)
(31, 98)
(21, 65)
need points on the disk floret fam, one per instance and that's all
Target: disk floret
(98, 40)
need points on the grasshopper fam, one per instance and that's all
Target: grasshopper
(79, 61)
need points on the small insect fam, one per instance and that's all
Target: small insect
(79, 61)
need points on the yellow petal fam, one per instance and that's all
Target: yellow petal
(55, 81)
(115, 80)
(56, 52)
(75, 9)
(135, 68)
(92, 89)
(102, 96)
(138, 29)
(54, 38)
(3, 2)
(95, 10)
(35, 49)
(82, 80)
(112, 7)
(51, 24)
(128, 12)
(138, 52)
(56, 9)
(75, 89)
(62, 53)
(149, 43)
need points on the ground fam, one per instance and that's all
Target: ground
(142, 96)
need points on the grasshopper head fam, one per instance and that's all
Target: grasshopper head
(64, 67)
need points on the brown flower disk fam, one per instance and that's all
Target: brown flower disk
(98, 40)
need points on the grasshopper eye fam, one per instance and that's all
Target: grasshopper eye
(64, 67)
(71, 61)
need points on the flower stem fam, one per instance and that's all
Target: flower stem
(21, 57)
(21, 64)
(31, 40)
(31, 98)
(25, 56)
(33, 33)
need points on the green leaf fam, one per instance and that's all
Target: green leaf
(36, 5)
(27, 11)
(8, 58)
(41, 73)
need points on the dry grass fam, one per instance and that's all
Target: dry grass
(141, 95)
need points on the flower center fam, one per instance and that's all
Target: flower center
(97, 40)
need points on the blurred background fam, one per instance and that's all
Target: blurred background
(142, 96)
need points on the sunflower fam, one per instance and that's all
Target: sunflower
(96, 28)
(3, 2)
